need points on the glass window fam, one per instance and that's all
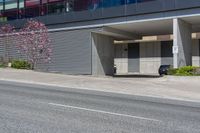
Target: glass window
(10, 4)
(140, 1)
(2, 18)
(44, 1)
(95, 4)
(32, 8)
(21, 11)
(112, 3)
(131, 1)
(31, 3)
(11, 9)
(56, 6)
(10, 14)
(21, 4)
(80, 5)
(1, 5)
(69, 5)
(43, 7)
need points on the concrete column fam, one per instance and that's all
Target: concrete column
(102, 55)
(182, 45)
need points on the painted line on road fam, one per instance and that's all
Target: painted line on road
(103, 112)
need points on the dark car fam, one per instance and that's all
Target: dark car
(163, 70)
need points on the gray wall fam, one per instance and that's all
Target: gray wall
(150, 57)
(71, 52)
(121, 58)
(167, 56)
(102, 54)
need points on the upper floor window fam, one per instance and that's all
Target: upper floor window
(112, 3)
(56, 6)
(131, 1)
(13, 9)
(11, 4)
(140, 1)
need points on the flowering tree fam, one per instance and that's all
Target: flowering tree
(6, 31)
(34, 42)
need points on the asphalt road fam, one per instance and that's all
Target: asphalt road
(41, 109)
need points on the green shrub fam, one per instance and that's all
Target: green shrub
(172, 71)
(184, 71)
(20, 64)
(2, 65)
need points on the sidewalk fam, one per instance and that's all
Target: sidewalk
(178, 88)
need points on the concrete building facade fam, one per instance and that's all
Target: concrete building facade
(92, 36)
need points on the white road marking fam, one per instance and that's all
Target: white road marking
(104, 112)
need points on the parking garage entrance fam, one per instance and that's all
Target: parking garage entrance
(141, 47)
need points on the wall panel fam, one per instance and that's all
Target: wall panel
(71, 52)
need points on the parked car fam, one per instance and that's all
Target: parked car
(163, 70)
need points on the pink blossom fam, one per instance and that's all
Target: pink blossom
(33, 41)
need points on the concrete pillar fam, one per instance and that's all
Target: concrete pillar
(102, 55)
(182, 45)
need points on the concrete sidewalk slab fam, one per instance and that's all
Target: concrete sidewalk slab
(170, 87)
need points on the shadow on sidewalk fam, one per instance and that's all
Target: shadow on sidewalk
(137, 76)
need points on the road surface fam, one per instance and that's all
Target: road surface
(42, 109)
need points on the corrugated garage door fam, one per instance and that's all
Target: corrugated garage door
(1, 48)
(133, 57)
(71, 52)
(11, 48)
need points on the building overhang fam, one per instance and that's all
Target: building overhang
(158, 38)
